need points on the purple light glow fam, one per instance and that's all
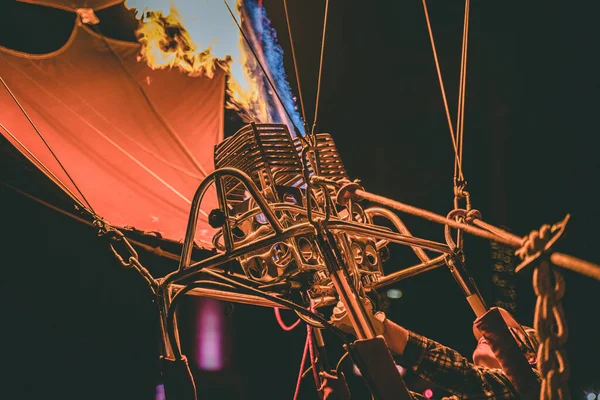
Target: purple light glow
(209, 333)
(160, 392)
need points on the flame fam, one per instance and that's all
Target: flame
(167, 43)
(263, 39)
(248, 104)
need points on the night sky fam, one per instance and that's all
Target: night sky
(78, 326)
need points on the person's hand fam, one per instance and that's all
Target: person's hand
(334, 388)
(341, 320)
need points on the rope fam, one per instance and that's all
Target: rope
(313, 360)
(265, 73)
(154, 250)
(320, 69)
(299, 380)
(44, 169)
(460, 120)
(47, 145)
(289, 26)
(91, 126)
(458, 215)
(282, 324)
(439, 73)
(44, 203)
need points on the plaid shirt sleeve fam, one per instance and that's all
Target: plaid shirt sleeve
(444, 367)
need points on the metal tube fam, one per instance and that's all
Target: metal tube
(477, 305)
(190, 232)
(197, 200)
(225, 257)
(164, 300)
(368, 230)
(302, 229)
(224, 295)
(221, 196)
(411, 271)
(334, 262)
(468, 286)
(322, 359)
(384, 212)
(495, 230)
(576, 265)
(428, 215)
(355, 309)
(461, 276)
(383, 233)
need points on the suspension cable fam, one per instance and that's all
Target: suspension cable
(439, 73)
(289, 26)
(47, 145)
(460, 120)
(31, 157)
(113, 143)
(265, 73)
(458, 181)
(320, 68)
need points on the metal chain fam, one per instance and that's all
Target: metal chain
(549, 320)
(132, 258)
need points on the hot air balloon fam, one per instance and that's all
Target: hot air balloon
(123, 147)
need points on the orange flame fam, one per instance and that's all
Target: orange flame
(247, 103)
(166, 43)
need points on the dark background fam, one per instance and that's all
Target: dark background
(78, 326)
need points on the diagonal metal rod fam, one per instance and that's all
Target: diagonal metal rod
(512, 240)
(411, 271)
(575, 264)
(562, 260)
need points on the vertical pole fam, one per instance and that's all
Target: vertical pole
(468, 286)
(337, 273)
